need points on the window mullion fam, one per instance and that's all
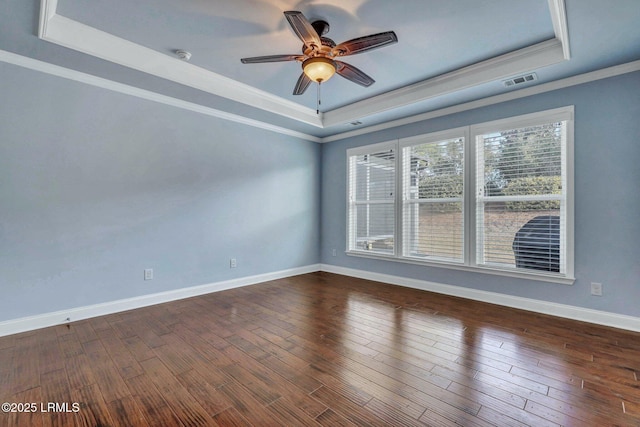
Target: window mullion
(469, 204)
(401, 173)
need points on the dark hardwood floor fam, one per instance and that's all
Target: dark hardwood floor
(322, 349)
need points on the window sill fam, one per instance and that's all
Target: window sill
(542, 277)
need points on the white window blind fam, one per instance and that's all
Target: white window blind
(372, 188)
(433, 207)
(521, 197)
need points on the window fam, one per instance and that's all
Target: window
(433, 197)
(372, 191)
(493, 197)
(521, 184)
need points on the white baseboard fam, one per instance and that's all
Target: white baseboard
(544, 307)
(24, 324)
(604, 318)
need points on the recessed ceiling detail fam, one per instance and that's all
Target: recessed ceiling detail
(82, 37)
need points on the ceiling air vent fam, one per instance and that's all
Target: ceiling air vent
(526, 78)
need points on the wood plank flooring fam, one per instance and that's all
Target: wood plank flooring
(323, 349)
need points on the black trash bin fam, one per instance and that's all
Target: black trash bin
(537, 244)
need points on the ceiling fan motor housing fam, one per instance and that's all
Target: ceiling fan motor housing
(321, 27)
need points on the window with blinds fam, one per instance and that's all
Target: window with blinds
(521, 197)
(433, 204)
(372, 188)
(495, 197)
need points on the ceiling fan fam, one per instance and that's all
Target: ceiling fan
(319, 53)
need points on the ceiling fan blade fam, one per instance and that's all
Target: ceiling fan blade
(271, 58)
(363, 44)
(303, 28)
(302, 84)
(352, 73)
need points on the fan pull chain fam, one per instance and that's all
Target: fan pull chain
(318, 99)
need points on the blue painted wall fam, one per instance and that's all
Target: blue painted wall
(96, 186)
(607, 194)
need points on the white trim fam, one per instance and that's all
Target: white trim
(372, 148)
(540, 277)
(560, 28)
(592, 76)
(570, 202)
(524, 120)
(598, 317)
(427, 138)
(604, 318)
(47, 11)
(67, 73)
(24, 324)
(516, 62)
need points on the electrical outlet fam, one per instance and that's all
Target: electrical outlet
(333, 252)
(596, 289)
(233, 263)
(148, 274)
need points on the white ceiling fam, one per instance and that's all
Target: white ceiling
(447, 53)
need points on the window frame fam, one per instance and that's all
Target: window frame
(431, 138)
(470, 134)
(351, 219)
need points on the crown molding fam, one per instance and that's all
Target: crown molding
(604, 73)
(55, 70)
(66, 73)
(75, 35)
(47, 11)
(560, 27)
(516, 62)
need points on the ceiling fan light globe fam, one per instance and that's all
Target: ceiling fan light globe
(319, 69)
